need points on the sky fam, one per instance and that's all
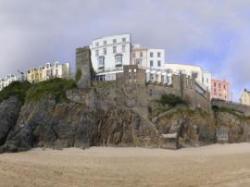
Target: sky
(210, 33)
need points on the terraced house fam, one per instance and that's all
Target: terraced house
(245, 97)
(48, 71)
(7, 80)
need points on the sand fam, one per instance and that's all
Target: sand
(216, 165)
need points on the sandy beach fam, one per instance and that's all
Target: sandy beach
(216, 165)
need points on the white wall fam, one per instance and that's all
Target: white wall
(143, 55)
(245, 98)
(7, 80)
(55, 70)
(155, 61)
(98, 48)
(203, 77)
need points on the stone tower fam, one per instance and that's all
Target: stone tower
(83, 67)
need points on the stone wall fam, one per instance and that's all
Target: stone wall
(132, 74)
(83, 67)
(185, 88)
(244, 109)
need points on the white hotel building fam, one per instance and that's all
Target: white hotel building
(201, 76)
(109, 54)
(148, 58)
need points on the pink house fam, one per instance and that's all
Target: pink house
(220, 89)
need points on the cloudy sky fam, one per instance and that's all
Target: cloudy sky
(214, 34)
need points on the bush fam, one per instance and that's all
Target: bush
(54, 87)
(17, 89)
(171, 100)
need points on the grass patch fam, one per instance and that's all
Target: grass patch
(17, 89)
(54, 87)
(104, 84)
(171, 100)
(232, 111)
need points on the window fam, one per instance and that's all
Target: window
(152, 77)
(123, 39)
(151, 54)
(162, 79)
(123, 48)
(159, 54)
(101, 61)
(141, 54)
(138, 61)
(97, 44)
(114, 49)
(104, 51)
(133, 55)
(169, 71)
(194, 75)
(104, 42)
(159, 63)
(118, 59)
(151, 63)
(114, 41)
(156, 77)
(97, 53)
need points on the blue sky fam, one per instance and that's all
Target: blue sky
(211, 33)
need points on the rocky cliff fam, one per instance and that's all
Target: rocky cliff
(100, 117)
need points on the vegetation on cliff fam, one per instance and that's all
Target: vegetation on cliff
(171, 100)
(54, 88)
(234, 112)
(32, 92)
(17, 89)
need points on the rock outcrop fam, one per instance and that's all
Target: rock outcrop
(9, 112)
(101, 117)
(50, 124)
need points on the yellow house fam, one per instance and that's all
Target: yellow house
(245, 97)
(35, 75)
(48, 71)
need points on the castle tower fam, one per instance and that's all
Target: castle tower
(83, 67)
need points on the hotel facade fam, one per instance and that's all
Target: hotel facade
(109, 55)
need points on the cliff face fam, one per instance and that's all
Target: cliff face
(89, 122)
(9, 112)
(236, 126)
(46, 123)
(100, 117)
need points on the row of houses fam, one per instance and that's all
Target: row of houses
(109, 55)
(38, 74)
